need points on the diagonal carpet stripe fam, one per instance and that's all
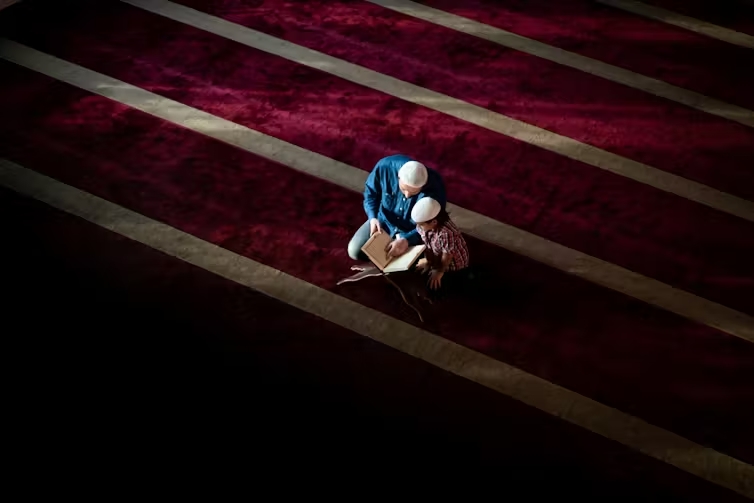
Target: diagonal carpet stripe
(563, 57)
(7, 3)
(456, 108)
(601, 113)
(556, 326)
(558, 256)
(510, 381)
(686, 22)
(689, 246)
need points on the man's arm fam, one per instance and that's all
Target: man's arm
(373, 193)
(413, 237)
(436, 190)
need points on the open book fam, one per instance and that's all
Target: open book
(375, 250)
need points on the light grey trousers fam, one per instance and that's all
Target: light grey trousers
(358, 240)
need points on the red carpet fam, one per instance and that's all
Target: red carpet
(216, 355)
(665, 237)
(734, 14)
(203, 187)
(610, 116)
(213, 335)
(642, 45)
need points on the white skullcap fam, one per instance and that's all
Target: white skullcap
(424, 210)
(413, 173)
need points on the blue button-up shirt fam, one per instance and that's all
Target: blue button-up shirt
(384, 201)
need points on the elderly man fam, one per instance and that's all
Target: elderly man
(392, 189)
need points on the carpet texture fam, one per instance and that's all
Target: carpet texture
(239, 369)
(648, 231)
(610, 116)
(734, 14)
(221, 375)
(543, 321)
(674, 55)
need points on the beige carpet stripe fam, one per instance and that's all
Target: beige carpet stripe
(571, 59)
(505, 379)
(7, 3)
(485, 228)
(456, 108)
(681, 21)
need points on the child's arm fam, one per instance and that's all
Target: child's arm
(445, 261)
(435, 276)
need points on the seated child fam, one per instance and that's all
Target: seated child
(447, 256)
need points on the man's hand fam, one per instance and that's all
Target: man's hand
(397, 247)
(374, 227)
(423, 266)
(435, 279)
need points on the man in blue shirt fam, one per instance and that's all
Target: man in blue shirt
(392, 189)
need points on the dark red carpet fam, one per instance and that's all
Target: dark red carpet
(552, 325)
(182, 363)
(610, 116)
(627, 223)
(734, 14)
(674, 55)
(168, 352)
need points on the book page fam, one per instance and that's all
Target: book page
(405, 261)
(375, 249)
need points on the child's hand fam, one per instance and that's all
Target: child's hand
(423, 265)
(435, 279)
